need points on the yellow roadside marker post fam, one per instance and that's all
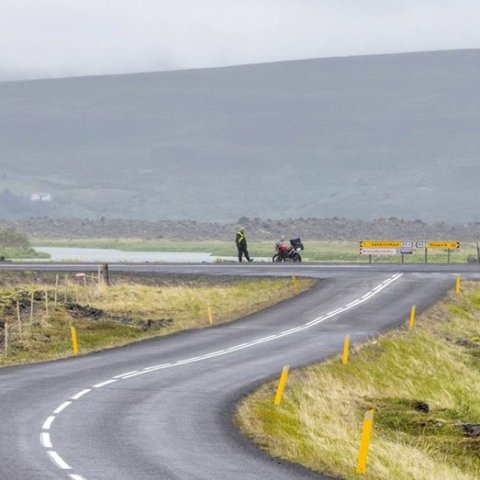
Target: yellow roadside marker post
(411, 322)
(346, 350)
(457, 284)
(281, 385)
(73, 333)
(295, 284)
(365, 442)
(210, 316)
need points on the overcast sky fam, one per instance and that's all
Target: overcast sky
(56, 38)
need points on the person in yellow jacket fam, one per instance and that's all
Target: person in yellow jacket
(241, 241)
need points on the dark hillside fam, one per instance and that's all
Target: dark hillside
(257, 228)
(359, 137)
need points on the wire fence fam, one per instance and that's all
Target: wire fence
(23, 310)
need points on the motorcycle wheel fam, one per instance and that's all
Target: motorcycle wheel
(297, 257)
(276, 258)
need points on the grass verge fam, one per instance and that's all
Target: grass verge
(13, 253)
(131, 309)
(423, 384)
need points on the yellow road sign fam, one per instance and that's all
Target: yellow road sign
(444, 245)
(380, 244)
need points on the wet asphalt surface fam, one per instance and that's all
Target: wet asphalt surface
(163, 408)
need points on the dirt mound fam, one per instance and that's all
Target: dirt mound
(84, 311)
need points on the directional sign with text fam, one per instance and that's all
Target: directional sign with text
(386, 251)
(378, 251)
(440, 244)
(385, 244)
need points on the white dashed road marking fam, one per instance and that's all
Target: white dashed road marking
(62, 407)
(103, 384)
(58, 460)
(45, 439)
(48, 423)
(81, 394)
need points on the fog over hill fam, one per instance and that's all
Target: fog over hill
(357, 137)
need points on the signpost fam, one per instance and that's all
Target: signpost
(399, 247)
(385, 247)
(378, 251)
(380, 244)
(441, 245)
(436, 245)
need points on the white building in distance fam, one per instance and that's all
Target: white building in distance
(41, 197)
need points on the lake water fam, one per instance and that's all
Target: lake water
(63, 254)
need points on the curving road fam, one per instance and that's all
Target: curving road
(162, 409)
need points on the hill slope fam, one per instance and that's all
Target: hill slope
(366, 137)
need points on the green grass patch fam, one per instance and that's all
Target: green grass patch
(14, 253)
(424, 386)
(131, 309)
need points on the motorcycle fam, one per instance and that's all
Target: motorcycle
(288, 253)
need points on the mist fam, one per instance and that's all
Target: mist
(55, 38)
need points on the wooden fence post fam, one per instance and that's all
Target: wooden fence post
(32, 298)
(105, 274)
(56, 291)
(5, 337)
(46, 302)
(66, 289)
(19, 319)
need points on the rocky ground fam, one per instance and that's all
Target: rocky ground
(257, 229)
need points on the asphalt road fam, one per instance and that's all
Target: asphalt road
(162, 409)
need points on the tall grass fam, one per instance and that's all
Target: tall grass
(121, 313)
(436, 367)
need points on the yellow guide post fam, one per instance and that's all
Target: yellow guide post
(295, 284)
(281, 385)
(457, 284)
(210, 316)
(411, 322)
(73, 332)
(346, 349)
(365, 442)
